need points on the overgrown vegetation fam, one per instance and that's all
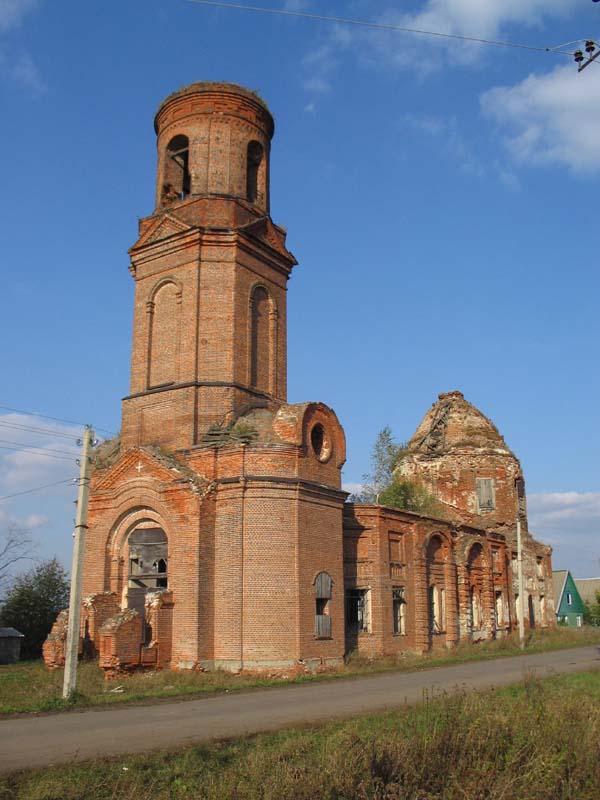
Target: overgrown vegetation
(33, 602)
(534, 741)
(383, 485)
(591, 614)
(30, 687)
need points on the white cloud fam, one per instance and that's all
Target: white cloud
(551, 118)
(32, 463)
(12, 12)
(32, 521)
(483, 19)
(353, 488)
(570, 522)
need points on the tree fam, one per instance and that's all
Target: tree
(385, 456)
(33, 603)
(381, 485)
(591, 614)
(16, 545)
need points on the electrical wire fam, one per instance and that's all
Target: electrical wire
(55, 419)
(38, 489)
(29, 429)
(44, 449)
(379, 26)
(36, 452)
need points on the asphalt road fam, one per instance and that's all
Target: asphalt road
(39, 741)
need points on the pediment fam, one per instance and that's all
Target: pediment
(264, 230)
(162, 228)
(134, 465)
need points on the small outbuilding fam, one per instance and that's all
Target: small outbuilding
(567, 600)
(10, 645)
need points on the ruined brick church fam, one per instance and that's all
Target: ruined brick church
(219, 535)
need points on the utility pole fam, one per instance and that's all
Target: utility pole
(521, 609)
(70, 678)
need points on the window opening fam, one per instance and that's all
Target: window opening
(499, 609)
(540, 568)
(399, 610)
(531, 609)
(323, 592)
(569, 599)
(320, 442)
(177, 178)
(485, 494)
(496, 559)
(253, 161)
(476, 615)
(437, 604)
(357, 611)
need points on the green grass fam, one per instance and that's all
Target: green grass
(29, 687)
(539, 740)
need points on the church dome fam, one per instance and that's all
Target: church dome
(454, 425)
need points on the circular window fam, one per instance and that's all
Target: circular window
(321, 443)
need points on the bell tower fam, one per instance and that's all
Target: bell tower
(210, 271)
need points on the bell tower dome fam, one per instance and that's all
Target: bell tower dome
(210, 270)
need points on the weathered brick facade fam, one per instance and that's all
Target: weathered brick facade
(218, 531)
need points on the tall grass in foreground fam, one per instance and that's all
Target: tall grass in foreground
(30, 687)
(536, 741)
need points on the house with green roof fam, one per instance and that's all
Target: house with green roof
(569, 606)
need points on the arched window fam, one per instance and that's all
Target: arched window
(260, 341)
(434, 550)
(253, 162)
(323, 592)
(176, 178)
(436, 579)
(475, 569)
(164, 336)
(476, 557)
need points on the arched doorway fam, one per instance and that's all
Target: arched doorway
(147, 566)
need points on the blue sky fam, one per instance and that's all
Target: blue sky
(441, 198)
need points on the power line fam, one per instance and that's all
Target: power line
(44, 449)
(29, 429)
(37, 489)
(55, 419)
(36, 452)
(379, 26)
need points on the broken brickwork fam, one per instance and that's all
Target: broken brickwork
(461, 458)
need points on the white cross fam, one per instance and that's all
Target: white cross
(140, 467)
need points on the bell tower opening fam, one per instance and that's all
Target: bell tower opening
(177, 179)
(253, 161)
